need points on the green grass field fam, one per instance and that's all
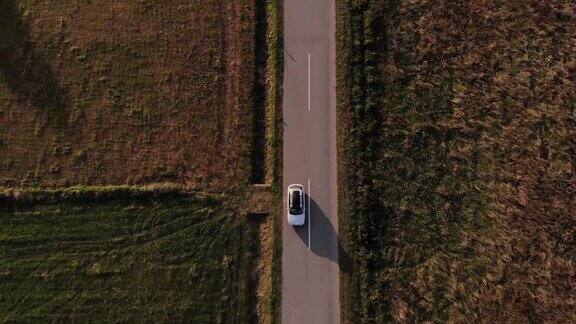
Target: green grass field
(184, 260)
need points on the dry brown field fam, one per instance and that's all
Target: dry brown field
(114, 92)
(458, 170)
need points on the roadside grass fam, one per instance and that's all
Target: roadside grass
(273, 160)
(274, 81)
(456, 140)
(185, 259)
(349, 290)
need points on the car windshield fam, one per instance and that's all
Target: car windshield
(296, 203)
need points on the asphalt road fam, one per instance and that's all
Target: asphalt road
(310, 277)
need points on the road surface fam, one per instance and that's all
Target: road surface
(310, 278)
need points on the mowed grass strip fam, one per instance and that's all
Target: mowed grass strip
(170, 261)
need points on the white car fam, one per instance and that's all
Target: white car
(296, 206)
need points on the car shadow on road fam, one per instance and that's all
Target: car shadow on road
(323, 237)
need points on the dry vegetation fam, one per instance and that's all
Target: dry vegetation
(110, 92)
(461, 205)
(98, 99)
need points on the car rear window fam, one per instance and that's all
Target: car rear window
(296, 199)
(296, 203)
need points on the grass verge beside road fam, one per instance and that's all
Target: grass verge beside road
(273, 162)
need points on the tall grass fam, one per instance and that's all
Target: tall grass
(456, 142)
(27, 196)
(273, 161)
